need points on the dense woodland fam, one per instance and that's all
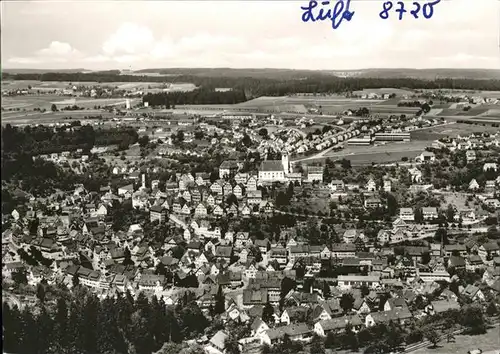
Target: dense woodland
(44, 139)
(81, 323)
(198, 96)
(254, 87)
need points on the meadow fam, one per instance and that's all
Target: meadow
(29, 102)
(489, 341)
(451, 130)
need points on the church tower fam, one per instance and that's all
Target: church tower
(286, 163)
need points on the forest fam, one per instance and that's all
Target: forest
(80, 323)
(255, 87)
(198, 96)
(42, 139)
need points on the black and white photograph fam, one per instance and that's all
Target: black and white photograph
(250, 177)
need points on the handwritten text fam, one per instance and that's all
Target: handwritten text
(337, 14)
(427, 10)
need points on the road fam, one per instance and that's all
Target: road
(315, 156)
(372, 150)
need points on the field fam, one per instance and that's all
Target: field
(487, 342)
(59, 85)
(381, 91)
(393, 152)
(28, 103)
(451, 130)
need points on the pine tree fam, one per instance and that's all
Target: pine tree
(220, 306)
(44, 326)
(40, 292)
(61, 340)
(12, 328)
(267, 314)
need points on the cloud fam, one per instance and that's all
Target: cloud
(57, 49)
(23, 60)
(97, 59)
(164, 49)
(130, 38)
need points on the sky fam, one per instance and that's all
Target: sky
(102, 35)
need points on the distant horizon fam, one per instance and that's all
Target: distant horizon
(247, 68)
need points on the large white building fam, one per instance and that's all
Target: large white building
(274, 170)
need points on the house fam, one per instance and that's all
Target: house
(488, 250)
(336, 185)
(473, 185)
(252, 297)
(349, 281)
(218, 341)
(342, 250)
(490, 166)
(200, 211)
(351, 235)
(456, 262)
(251, 183)
(315, 173)
(228, 169)
(157, 212)
(426, 156)
(373, 203)
(296, 332)
(456, 249)
(371, 186)
(470, 156)
(394, 304)
(429, 213)
(273, 170)
(474, 262)
(384, 236)
(126, 191)
(467, 215)
(387, 185)
(294, 314)
(416, 175)
(397, 316)
(224, 252)
(334, 325)
(473, 293)
(360, 306)
(406, 214)
(238, 191)
(258, 327)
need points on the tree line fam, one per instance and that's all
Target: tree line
(254, 87)
(81, 323)
(44, 139)
(198, 96)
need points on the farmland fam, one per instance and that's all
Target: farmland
(451, 130)
(45, 86)
(28, 103)
(363, 155)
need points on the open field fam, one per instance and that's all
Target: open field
(28, 103)
(381, 91)
(451, 130)
(487, 342)
(324, 101)
(59, 85)
(453, 110)
(392, 152)
(20, 118)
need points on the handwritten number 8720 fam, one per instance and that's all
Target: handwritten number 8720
(427, 9)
